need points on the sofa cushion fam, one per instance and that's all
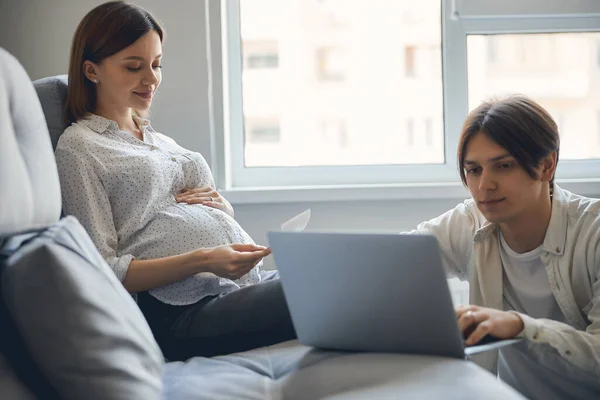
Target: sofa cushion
(52, 92)
(80, 325)
(29, 185)
(11, 387)
(18, 362)
(292, 371)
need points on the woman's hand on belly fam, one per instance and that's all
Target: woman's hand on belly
(231, 261)
(207, 196)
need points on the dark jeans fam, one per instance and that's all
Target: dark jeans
(244, 319)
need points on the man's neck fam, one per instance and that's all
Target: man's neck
(528, 232)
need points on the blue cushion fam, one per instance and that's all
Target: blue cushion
(79, 324)
(52, 92)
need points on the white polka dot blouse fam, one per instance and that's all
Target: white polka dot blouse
(123, 189)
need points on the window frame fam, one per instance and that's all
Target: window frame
(459, 18)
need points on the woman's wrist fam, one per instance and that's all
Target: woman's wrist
(197, 260)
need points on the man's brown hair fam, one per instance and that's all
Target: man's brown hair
(104, 31)
(517, 123)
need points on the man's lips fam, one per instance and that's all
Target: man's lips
(491, 201)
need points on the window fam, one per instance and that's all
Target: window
(358, 95)
(410, 132)
(409, 61)
(263, 60)
(423, 61)
(263, 135)
(330, 64)
(260, 55)
(556, 69)
(428, 131)
(598, 128)
(491, 49)
(334, 131)
(264, 132)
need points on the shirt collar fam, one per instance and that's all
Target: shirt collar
(141, 122)
(556, 234)
(100, 124)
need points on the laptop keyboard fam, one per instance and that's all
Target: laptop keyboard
(487, 339)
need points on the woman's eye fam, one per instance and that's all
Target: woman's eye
(472, 170)
(505, 166)
(133, 69)
(157, 66)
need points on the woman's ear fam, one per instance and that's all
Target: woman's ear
(549, 166)
(90, 70)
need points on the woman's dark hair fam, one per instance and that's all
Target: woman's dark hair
(517, 123)
(104, 31)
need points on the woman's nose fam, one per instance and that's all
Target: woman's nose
(150, 78)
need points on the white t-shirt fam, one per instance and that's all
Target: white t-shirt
(526, 290)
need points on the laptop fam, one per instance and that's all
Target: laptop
(370, 292)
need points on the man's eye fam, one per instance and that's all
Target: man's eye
(505, 165)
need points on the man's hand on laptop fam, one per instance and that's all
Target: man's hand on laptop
(476, 322)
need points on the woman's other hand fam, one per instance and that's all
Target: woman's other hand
(207, 196)
(232, 261)
(476, 322)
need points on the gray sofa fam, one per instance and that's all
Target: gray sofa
(69, 330)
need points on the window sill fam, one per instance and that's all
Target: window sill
(425, 191)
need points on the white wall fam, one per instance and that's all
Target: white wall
(39, 34)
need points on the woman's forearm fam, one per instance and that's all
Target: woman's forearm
(230, 261)
(149, 274)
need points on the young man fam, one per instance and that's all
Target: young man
(530, 251)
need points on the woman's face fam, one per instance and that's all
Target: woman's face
(129, 78)
(501, 188)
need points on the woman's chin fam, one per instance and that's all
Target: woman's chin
(145, 106)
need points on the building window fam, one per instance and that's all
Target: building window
(598, 128)
(331, 64)
(428, 131)
(410, 132)
(491, 49)
(263, 60)
(409, 61)
(261, 55)
(263, 132)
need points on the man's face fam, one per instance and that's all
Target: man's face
(502, 189)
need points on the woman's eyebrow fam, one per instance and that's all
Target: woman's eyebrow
(138, 58)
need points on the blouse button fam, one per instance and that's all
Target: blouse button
(153, 147)
(173, 159)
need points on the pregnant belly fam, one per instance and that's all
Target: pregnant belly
(181, 228)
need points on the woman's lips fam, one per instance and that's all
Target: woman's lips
(144, 95)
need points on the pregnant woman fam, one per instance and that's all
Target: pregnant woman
(151, 206)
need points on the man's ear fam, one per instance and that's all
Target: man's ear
(549, 166)
(90, 70)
